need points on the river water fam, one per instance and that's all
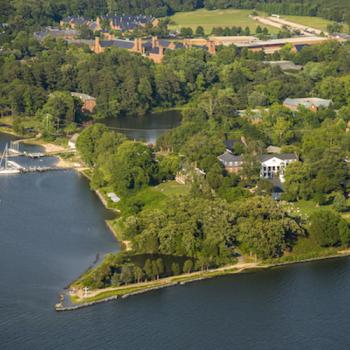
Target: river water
(148, 127)
(51, 228)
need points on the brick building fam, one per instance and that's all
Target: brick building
(89, 102)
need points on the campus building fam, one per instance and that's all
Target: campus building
(115, 22)
(274, 165)
(154, 49)
(310, 103)
(271, 165)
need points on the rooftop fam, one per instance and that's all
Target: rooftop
(123, 44)
(83, 97)
(295, 41)
(285, 65)
(229, 157)
(307, 102)
(281, 156)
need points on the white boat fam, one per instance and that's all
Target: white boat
(8, 167)
(9, 171)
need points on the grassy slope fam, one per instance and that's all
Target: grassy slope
(152, 197)
(315, 22)
(216, 18)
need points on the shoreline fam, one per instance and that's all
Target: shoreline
(123, 292)
(145, 287)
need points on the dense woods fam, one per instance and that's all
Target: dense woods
(20, 14)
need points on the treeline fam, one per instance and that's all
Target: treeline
(23, 14)
(336, 10)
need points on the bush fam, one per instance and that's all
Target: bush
(324, 227)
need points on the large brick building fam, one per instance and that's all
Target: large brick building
(115, 22)
(154, 49)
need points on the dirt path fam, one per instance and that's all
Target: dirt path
(239, 267)
(279, 22)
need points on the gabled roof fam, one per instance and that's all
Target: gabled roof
(308, 102)
(282, 156)
(273, 149)
(56, 33)
(164, 43)
(123, 44)
(83, 97)
(229, 157)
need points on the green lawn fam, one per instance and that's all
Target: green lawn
(154, 197)
(216, 18)
(315, 22)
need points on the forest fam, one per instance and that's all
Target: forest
(20, 14)
(233, 95)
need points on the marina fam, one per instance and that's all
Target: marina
(9, 167)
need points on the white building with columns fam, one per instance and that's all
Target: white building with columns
(275, 164)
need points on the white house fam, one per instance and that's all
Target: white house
(275, 164)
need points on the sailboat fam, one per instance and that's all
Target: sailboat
(6, 166)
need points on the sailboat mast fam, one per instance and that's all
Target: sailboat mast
(6, 155)
(2, 158)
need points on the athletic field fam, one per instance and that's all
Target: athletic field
(216, 18)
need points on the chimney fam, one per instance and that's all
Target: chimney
(97, 48)
(98, 23)
(211, 47)
(154, 42)
(138, 45)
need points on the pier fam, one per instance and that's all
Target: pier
(14, 151)
(35, 169)
(9, 166)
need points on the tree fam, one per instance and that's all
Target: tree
(88, 140)
(297, 182)
(200, 31)
(126, 274)
(324, 227)
(186, 32)
(250, 169)
(168, 167)
(334, 27)
(188, 265)
(132, 167)
(139, 274)
(160, 266)
(155, 271)
(62, 106)
(344, 232)
(115, 280)
(339, 202)
(148, 268)
(175, 268)
(264, 228)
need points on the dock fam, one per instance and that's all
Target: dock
(44, 169)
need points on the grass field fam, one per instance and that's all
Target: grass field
(216, 18)
(315, 22)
